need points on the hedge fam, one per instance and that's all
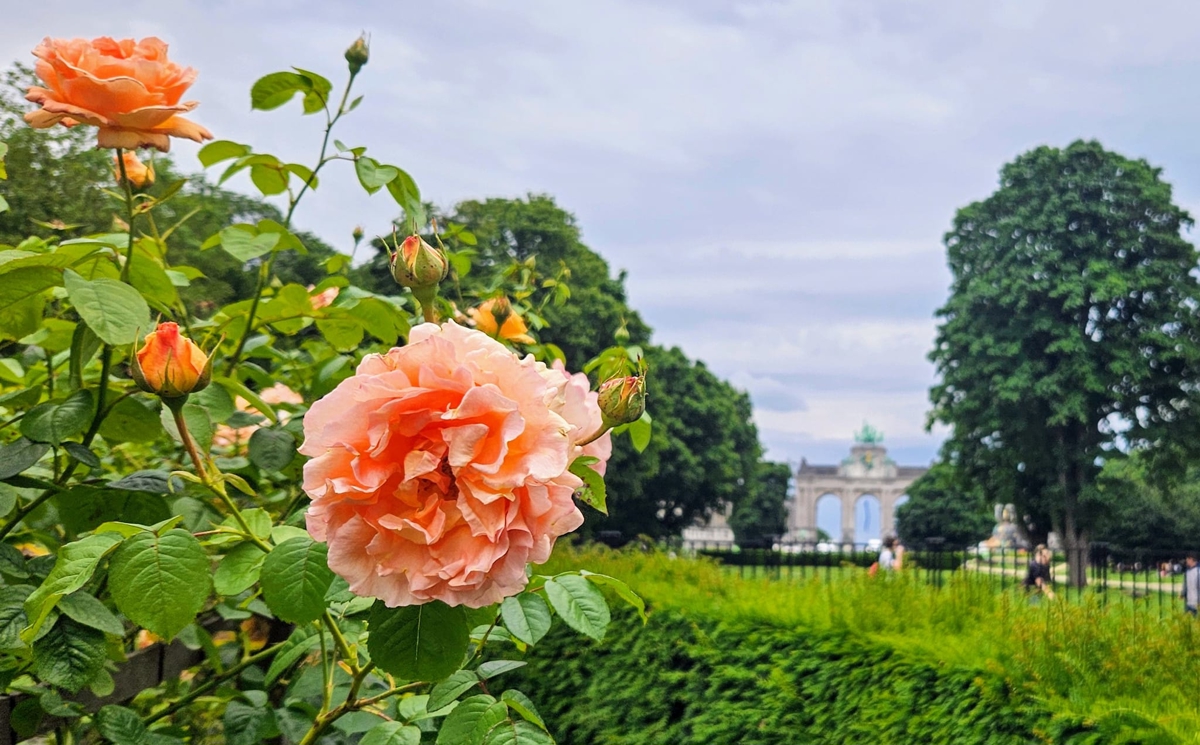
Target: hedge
(682, 680)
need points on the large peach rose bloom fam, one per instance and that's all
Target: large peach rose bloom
(129, 89)
(439, 470)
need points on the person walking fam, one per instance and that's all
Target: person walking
(891, 556)
(1191, 584)
(1037, 579)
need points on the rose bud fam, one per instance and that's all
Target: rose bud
(622, 400)
(418, 265)
(358, 234)
(358, 54)
(140, 174)
(170, 364)
(497, 319)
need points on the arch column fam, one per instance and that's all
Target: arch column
(887, 513)
(847, 517)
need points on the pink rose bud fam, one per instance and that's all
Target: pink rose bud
(418, 265)
(169, 364)
(358, 54)
(623, 400)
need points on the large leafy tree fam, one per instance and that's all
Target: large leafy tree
(941, 506)
(1071, 333)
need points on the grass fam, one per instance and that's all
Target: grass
(1086, 657)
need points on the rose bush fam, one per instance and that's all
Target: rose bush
(152, 484)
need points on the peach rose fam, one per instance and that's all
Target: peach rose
(129, 89)
(497, 318)
(439, 470)
(170, 364)
(140, 174)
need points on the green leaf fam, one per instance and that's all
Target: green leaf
(418, 642)
(121, 726)
(215, 152)
(160, 582)
(70, 655)
(55, 421)
(271, 449)
(526, 616)
(471, 721)
(445, 693)
(392, 733)
(237, 388)
(343, 335)
(492, 668)
(372, 175)
(300, 643)
(115, 311)
(404, 190)
(84, 345)
(295, 577)
(12, 614)
(239, 569)
(639, 432)
(86, 609)
(22, 298)
(131, 420)
(244, 245)
(622, 590)
(20, 454)
(216, 401)
(270, 180)
(580, 604)
(521, 704)
(74, 566)
(518, 733)
(245, 724)
(81, 454)
(593, 492)
(274, 90)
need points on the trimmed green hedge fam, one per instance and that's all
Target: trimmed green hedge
(681, 681)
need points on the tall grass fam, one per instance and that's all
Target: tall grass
(1109, 662)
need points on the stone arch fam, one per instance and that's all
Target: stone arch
(868, 518)
(829, 515)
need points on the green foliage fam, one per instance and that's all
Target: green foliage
(761, 513)
(421, 642)
(160, 582)
(941, 506)
(1070, 334)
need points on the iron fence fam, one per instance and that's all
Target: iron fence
(1152, 577)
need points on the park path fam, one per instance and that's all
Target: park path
(1060, 570)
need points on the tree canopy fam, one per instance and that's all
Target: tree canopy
(1070, 336)
(940, 506)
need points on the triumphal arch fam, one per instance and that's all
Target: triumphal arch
(854, 501)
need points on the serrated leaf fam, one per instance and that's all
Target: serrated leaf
(269, 179)
(492, 668)
(12, 614)
(521, 704)
(295, 578)
(55, 421)
(372, 175)
(85, 609)
(69, 655)
(20, 454)
(392, 733)
(73, 568)
(245, 724)
(83, 455)
(131, 420)
(271, 449)
(579, 603)
(113, 310)
(639, 432)
(160, 582)
(121, 726)
(518, 733)
(239, 569)
(451, 688)
(274, 90)
(471, 721)
(215, 152)
(526, 616)
(623, 591)
(303, 640)
(244, 245)
(593, 492)
(418, 642)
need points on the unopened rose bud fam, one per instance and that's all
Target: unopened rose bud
(358, 234)
(497, 319)
(358, 54)
(418, 265)
(140, 174)
(622, 400)
(170, 364)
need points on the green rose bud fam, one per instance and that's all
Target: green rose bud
(358, 54)
(622, 400)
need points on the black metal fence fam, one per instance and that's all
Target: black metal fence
(1151, 577)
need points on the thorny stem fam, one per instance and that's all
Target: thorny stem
(264, 273)
(129, 209)
(323, 721)
(214, 682)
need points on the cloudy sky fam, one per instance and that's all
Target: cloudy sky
(775, 176)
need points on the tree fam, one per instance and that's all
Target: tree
(761, 512)
(1070, 335)
(1144, 513)
(940, 506)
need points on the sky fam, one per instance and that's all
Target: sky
(774, 176)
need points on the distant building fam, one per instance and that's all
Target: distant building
(852, 502)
